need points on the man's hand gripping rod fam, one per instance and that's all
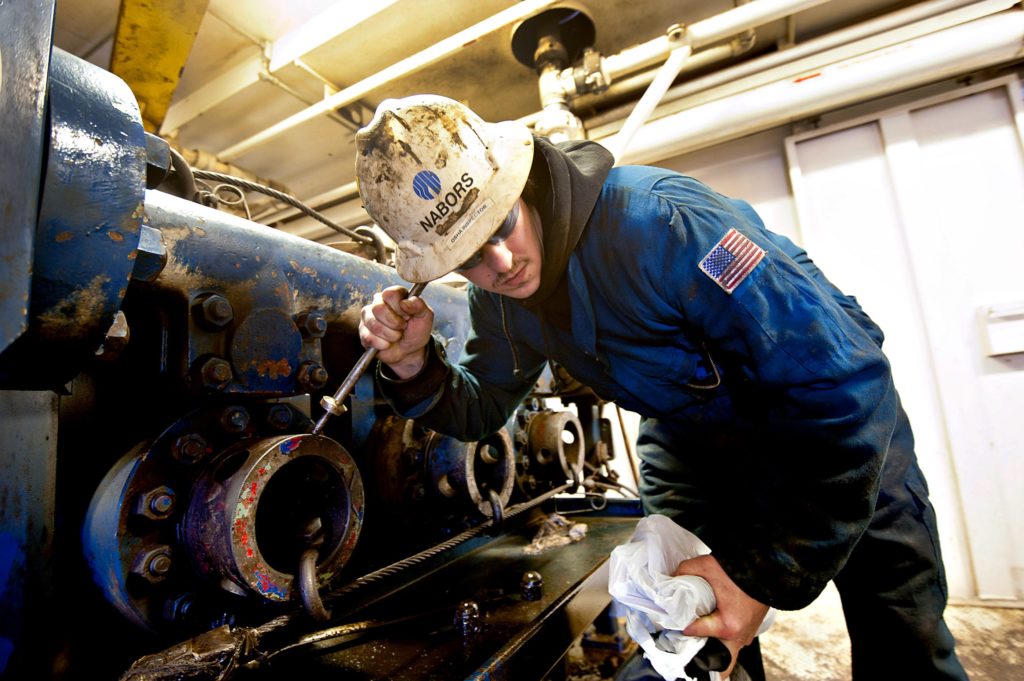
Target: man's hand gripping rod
(335, 406)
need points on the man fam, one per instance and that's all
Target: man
(771, 427)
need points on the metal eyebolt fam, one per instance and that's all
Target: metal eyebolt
(577, 477)
(497, 512)
(308, 589)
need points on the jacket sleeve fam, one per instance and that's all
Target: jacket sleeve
(476, 397)
(808, 378)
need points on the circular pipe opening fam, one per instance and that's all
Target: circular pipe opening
(302, 492)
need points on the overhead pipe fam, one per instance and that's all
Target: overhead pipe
(650, 99)
(405, 67)
(684, 40)
(744, 113)
(975, 45)
(736, 21)
(916, 21)
(632, 84)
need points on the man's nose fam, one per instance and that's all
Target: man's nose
(497, 257)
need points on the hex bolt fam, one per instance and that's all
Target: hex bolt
(153, 564)
(214, 310)
(234, 419)
(312, 376)
(178, 608)
(531, 584)
(467, 618)
(312, 324)
(189, 448)
(215, 373)
(156, 504)
(279, 416)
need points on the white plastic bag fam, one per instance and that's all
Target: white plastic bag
(659, 605)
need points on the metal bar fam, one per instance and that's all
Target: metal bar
(334, 406)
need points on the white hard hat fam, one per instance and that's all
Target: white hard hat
(438, 179)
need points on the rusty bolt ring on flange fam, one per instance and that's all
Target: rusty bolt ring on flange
(236, 527)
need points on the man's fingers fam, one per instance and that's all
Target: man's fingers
(709, 626)
(413, 307)
(393, 298)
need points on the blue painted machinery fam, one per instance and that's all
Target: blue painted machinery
(161, 365)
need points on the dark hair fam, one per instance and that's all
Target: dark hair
(538, 182)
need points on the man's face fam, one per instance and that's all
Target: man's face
(511, 268)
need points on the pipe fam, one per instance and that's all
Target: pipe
(975, 45)
(705, 32)
(698, 60)
(743, 18)
(651, 97)
(915, 18)
(405, 67)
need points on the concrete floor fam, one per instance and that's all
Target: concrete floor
(812, 645)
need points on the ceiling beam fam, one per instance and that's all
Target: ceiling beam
(151, 44)
(290, 48)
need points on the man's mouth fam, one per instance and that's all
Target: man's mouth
(515, 279)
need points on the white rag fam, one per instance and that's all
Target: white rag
(659, 605)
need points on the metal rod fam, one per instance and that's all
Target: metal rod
(335, 405)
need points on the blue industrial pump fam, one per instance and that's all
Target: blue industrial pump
(161, 366)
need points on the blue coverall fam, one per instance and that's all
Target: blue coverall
(771, 426)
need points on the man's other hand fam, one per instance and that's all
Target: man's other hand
(737, 616)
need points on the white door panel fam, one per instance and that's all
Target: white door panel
(919, 215)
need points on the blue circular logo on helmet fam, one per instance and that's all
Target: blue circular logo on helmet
(426, 184)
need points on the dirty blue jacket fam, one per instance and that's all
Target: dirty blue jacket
(774, 398)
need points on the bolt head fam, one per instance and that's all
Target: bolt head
(215, 310)
(531, 584)
(279, 416)
(312, 324)
(215, 373)
(234, 419)
(153, 564)
(312, 376)
(189, 448)
(156, 504)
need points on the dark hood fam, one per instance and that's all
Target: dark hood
(567, 178)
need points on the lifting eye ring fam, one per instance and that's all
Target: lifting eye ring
(497, 512)
(307, 586)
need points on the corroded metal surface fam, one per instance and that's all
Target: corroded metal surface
(153, 575)
(89, 221)
(289, 299)
(249, 509)
(551, 449)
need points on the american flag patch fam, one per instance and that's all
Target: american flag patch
(731, 260)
